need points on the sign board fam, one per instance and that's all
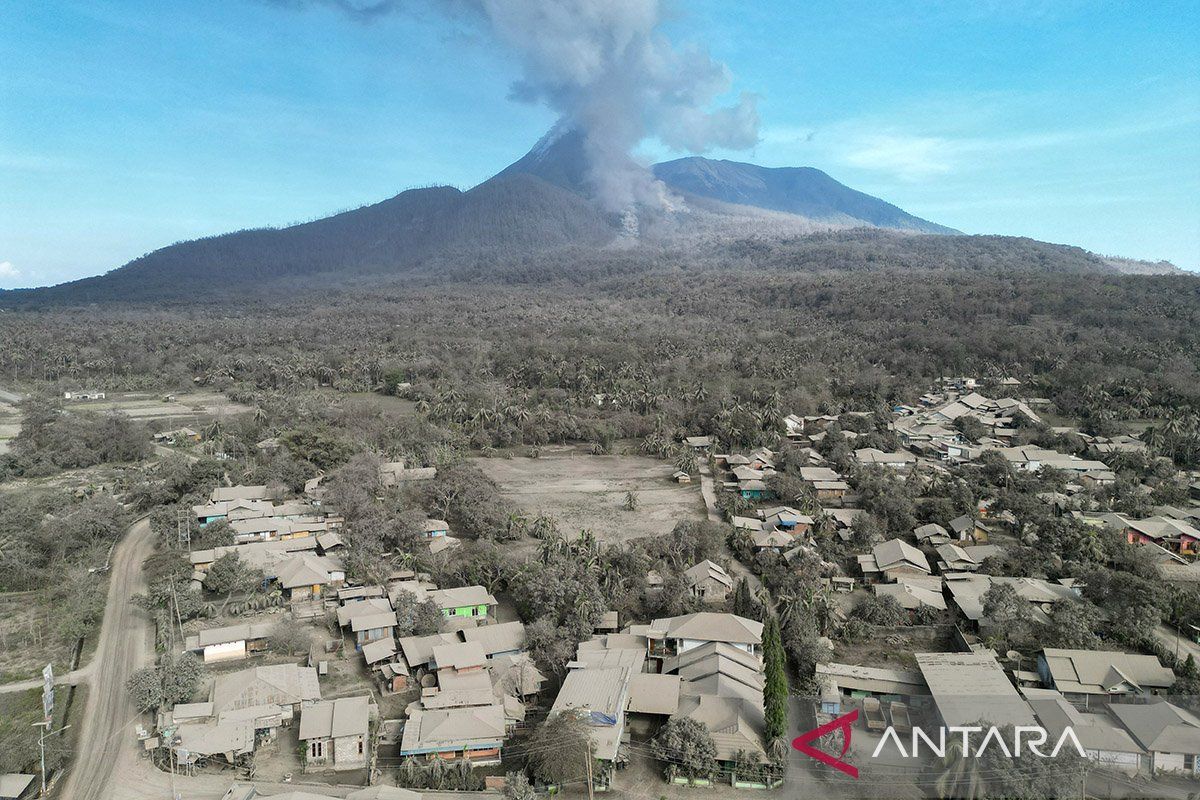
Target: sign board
(48, 691)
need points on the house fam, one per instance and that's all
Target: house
(898, 460)
(786, 519)
(827, 485)
(671, 636)
(304, 576)
(504, 639)
(229, 643)
(336, 733)
(435, 528)
(180, 436)
(932, 534)
(735, 724)
(418, 650)
(370, 620)
(892, 558)
(286, 686)
(472, 602)
(699, 442)
(969, 687)
(1168, 733)
(914, 592)
(383, 657)
(952, 558)
(967, 528)
(474, 733)
(394, 473)
(328, 542)
(967, 591)
(753, 489)
(227, 493)
(1086, 676)
(1104, 741)
(599, 696)
(1176, 535)
(709, 582)
(771, 541)
(84, 394)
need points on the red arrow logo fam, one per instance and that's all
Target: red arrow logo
(845, 722)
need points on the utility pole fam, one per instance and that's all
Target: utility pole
(45, 726)
(178, 617)
(587, 755)
(183, 529)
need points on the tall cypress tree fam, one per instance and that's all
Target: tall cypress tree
(775, 688)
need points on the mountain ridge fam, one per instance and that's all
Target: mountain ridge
(538, 204)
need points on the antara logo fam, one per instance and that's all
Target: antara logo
(845, 723)
(1026, 738)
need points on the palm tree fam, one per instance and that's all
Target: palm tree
(961, 776)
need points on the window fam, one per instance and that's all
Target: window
(317, 749)
(1189, 762)
(360, 747)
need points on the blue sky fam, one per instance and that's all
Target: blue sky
(125, 126)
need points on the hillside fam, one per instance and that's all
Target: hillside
(804, 191)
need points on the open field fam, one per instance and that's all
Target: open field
(10, 423)
(586, 492)
(146, 407)
(28, 640)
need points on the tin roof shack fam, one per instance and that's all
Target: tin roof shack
(229, 643)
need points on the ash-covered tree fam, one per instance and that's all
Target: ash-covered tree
(229, 575)
(1010, 614)
(416, 617)
(173, 681)
(876, 610)
(290, 637)
(1073, 625)
(686, 747)
(559, 750)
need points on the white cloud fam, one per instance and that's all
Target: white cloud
(8, 271)
(909, 158)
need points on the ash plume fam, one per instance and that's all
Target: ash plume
(607, 69)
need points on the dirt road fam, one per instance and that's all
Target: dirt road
(1177, 643)
(126, 644)
(708, 489)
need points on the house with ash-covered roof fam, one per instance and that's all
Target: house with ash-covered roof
(1089, 676)
(1102, 738)
(709, 582)
(1168, 733)
(891, 559)
(336, 733)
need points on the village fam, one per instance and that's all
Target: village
(847, 568)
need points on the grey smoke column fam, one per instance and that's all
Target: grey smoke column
(606, 68)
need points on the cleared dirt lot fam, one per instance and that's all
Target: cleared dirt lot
(586, 492)
(147, 407)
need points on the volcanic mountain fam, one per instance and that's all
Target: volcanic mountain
(542, 202)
